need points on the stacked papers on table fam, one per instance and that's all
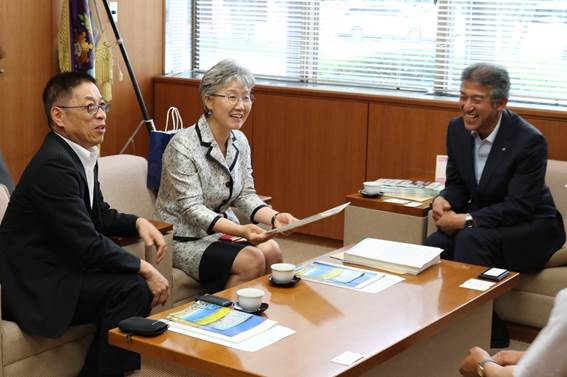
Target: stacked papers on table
(398, 257)
(408, 188)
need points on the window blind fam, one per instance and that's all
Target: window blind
(419, 45)
(527, 37)
(178, 35)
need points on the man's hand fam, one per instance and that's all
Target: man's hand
(152, 237)
(254, 234)
(451, 222)
(158, 285)
(469, 366)
(439, 207)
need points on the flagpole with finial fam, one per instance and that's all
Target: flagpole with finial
(149, 122)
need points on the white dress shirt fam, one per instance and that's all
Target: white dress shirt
(546, 355)
(88, 158)
(482, 149)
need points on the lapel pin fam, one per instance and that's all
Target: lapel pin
(503, 149)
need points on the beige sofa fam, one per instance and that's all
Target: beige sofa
(529, 304)
(123, 182)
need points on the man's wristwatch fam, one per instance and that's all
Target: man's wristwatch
(469, 222)
(480, 366)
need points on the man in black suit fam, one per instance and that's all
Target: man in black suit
(496, 209)
(57, 265)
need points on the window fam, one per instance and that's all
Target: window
(417, 45)
(178, 43)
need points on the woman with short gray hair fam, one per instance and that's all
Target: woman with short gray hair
(207, 170)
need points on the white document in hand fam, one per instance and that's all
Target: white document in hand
(310, 219)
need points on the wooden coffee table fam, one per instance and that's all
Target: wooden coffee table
(422, 326)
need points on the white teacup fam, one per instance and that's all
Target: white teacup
(372, 188)
(283, 273)
(250, 299)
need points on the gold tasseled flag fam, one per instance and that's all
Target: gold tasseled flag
(64, 40)
(104, 60)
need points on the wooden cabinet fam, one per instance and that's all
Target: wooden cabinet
(307, 153)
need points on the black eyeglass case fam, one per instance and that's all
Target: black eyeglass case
(142, 326)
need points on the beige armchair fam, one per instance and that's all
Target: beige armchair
(123, 183)
(529, 304)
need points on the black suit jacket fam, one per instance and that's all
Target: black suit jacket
(50, 237)
(512, 187)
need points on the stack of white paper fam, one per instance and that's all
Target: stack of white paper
(398, 257)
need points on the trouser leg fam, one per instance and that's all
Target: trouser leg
(106, 299)
(480, 246)
(442, 241)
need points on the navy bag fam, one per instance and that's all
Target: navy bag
(158, 142)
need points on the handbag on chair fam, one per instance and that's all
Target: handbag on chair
(158, 142)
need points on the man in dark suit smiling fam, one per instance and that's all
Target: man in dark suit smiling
(496, 209)
(57, 265)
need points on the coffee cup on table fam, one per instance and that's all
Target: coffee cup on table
(372, 188)
(283, 273)
(250, 299)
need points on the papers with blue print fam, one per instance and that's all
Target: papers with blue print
(220, 322)
(338, 275)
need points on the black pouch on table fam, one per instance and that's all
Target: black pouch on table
(142, 326)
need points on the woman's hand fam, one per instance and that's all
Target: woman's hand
(254, 234)
(284, 218)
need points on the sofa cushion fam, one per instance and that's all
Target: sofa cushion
(123, 183)
(524, 308)
(16, 345)
(556, 179)
(63, 361)
(559, 258)
(548, 281)
(185, 288)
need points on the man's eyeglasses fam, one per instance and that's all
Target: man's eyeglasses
(233, 99)
(91, 108)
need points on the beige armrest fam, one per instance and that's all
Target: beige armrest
(163, 227)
